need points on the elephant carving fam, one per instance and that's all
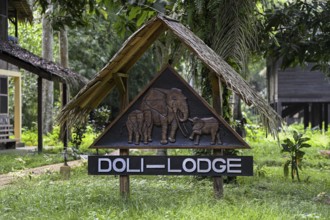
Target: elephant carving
(134, 125)
(164, 108)
(205, 126)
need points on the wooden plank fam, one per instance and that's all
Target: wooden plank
(124, 183)
(306, 116)
(218, 181)
(9, 73)
(40, 141)
(326, 117)
(119, 82)
(65, 125)
(18, 108)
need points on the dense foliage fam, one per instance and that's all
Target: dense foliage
(300, 33)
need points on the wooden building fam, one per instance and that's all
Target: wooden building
(12, 56)
(299, 94)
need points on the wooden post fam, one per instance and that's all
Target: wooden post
(217, 105)
(40, 142)
(65, 127)
(306, 116)
(218, 180)
(18, 108)
(326, 117)
(124, 183)
(4, 20)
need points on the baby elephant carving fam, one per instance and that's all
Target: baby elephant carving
(205, 126)
(134, 125)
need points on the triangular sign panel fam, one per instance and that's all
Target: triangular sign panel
(169, 114)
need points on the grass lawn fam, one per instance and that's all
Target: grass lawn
(167, 197)
(266, 195)
(12, 161)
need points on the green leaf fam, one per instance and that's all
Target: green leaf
(142, 19)
(134, 12)
(300, 154)
(305, 145)
(295, 136)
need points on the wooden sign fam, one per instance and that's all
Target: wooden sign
(169, 114)
(171, 165)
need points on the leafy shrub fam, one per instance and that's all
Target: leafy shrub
(296, 154)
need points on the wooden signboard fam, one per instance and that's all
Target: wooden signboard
(171, 165)
(169, 114)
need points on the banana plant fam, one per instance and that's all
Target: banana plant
(296, 154)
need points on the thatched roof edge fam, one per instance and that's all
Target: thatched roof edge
(22, 58)
(76, 111)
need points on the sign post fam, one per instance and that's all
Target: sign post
(169, 114)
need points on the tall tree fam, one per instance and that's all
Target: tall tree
(47, 86)
(298, 32)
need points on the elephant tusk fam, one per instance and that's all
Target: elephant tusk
(184, 133)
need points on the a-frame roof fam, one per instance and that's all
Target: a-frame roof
(133, 48)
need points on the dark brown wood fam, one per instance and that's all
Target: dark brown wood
(124, 182)
(326, 117)
(306, 116)
(65, 127)
(217, 105)
(218, 181)
(321, 116)
(40, 140)
(3, 20)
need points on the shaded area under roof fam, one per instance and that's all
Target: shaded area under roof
(22, 58)
(133, 48)
(21, 8)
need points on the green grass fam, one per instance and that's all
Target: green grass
(17, 161)
(266, 195)
(166, 197)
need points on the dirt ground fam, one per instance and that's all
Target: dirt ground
(8, 178)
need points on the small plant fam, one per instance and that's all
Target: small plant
(296, 154)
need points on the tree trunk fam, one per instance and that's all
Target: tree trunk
(47, 88)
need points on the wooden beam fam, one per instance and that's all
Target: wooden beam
(306, 116)
(119, 82)
(326, 117)
(65, 126)
(4, 20)
(124, 182)
(218, 107)
(40, 141)
(9, 73)
(18, 108)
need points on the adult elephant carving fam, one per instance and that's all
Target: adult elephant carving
(168, 107)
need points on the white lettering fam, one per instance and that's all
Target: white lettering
(169, 167)
(222, 167)
(199, 161)
(115, 166)
(230, 165)
(142, 165)
(131, 170)
(100, 166)
(184, 165)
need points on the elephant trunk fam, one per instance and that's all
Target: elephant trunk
(183, 113)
